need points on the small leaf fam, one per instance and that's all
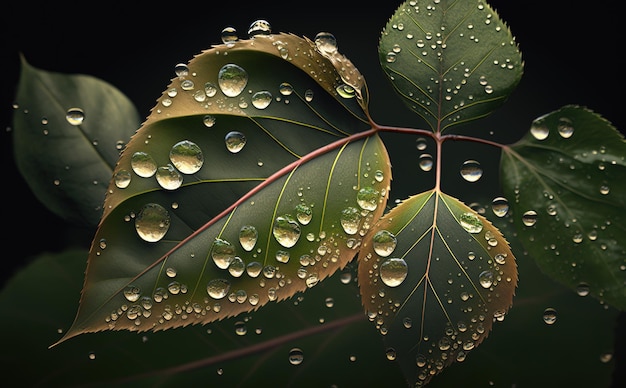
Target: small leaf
(466, 54)
(434, 276)
(195, 231)
(566, 184)
(68, 134)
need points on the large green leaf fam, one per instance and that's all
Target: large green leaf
(433, 278)
(69, 130)
(450, 61)
(193, 233)
(564, 182)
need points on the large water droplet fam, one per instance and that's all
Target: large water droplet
(384, 243)
(471, 170)
(75, 116)
(565, 127)
(367, 198)
(549, 316)
(486, 279)
(236, 267)
(222, 253)
(259, 27)
(229, 36)
(304, 213)
(426, 162)
(218, 288)
(393, 271)
(232, 79)
(235, 141)
(152, 222)
(168, 177)
(500, 206)
(187, 157)
(262, 99)
(296, 356)
(529, 218)
(350, 220)
(326, 43)
(286, 230)
(539, 130)
(247, 237)
(470, 222)
(143, 164)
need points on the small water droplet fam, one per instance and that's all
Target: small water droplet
(132, 293)
(426, 162)
(229, 36)
(500, 206)
(222, 253)
(152, 222)
(582, 289)
(286, 231)
(565, 127)
(187, 157)
(470, 222)
(259, 27)
(232, 79)
(539, 130)
(241, 328)
(296, 356)
(350, 220)
(75, 116)
(471, 170)
(143, 164)
(247, 237)
(181, 70)
(218, 288)
(122, 179)
(168, 177)
(208, 121)
(326, 43)
(549, 316)
(384, 243)
(393, 271)
(367, 198)
(529, 218)
(304, 213)
(262, 99)
(235, 141)
(486, 279)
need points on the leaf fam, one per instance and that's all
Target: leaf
(450, 62)
(68, 165)
(569, 172)
(434, 277)
(175, 247)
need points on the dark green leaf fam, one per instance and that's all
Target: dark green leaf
(67, 161)
(433, 279)
(565, 182)
(193, 233)
(451, 61)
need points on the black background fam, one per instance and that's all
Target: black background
(572, 55)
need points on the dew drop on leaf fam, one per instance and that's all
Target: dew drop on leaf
(384, 243)
(529, 218)
(286, 231)
(187, 157)
(75, 116)
(350, 220)
(181, 70)
(393, 271)
(262, 99)
(296, 356)
(232, 79)
(304, 213)
(122, 179)
(426, 162)
(326, 43)
(500, 206)
(235, 141)
(253, 269)
(132, 293)
(367, 198)
(259, 27)
(168, 177)
(486, 279)
(471, 170)
(218, 288)
(152, 222)
(539, 130)
(241, 328)
(143, 164)
(582, 289)
(236, 267)
(248, 237)
(470, 222)
(549, 316)
(222, 253)
(208, 121)
(229, 35)
(565, 127)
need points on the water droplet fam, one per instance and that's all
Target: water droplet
(208, 121)
(254, 269)
(329, 302)
(229, 36)
(122, 179)
(346, 91)
(296, 356)
(262, 99)
(426, 162)
(471, 170)
(421, 144)
(304, 213)
(391, 354)
(367, 198)
(582, 289)
(384, 243)
(486, 279)
(241, 328)
(565, 127)
(539, 130)
(308, 95)
(286, 230)
(282, 256)
(152, 222)
(259, 27)
(218, 288)
(235, 141)
(470, 222)
(529, 218)
(132, 293)
(187, 157)
(222, 253)
(350, 220)
(500, 206)
(604, 189)
(326, 43)
(232, 79)
(247, 237)
(285, 89)
(236, 267)
(143, 164)
(393, 271)
(181, 70)
(549, 316)
(75, 116)
(168, 177)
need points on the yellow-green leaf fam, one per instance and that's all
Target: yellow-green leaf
(434, 276)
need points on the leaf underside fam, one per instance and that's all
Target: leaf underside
(450, 62)
(564, 183)
(433, 279)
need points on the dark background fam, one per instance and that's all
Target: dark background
(572, 55)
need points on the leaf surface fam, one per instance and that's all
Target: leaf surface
(68, 163)
(434, 278)
(565, 183)
(450, 61)
(175, 246)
